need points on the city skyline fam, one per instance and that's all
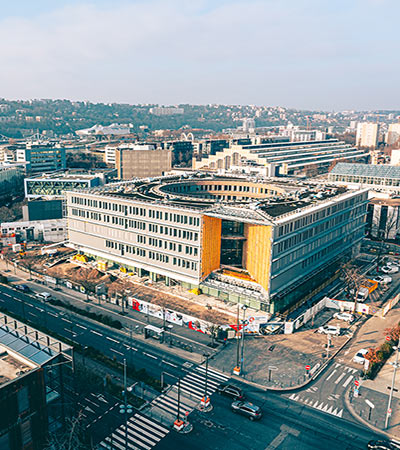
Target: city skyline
(324, 56)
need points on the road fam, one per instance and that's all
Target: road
(285, 425)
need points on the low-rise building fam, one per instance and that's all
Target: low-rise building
(36, 230)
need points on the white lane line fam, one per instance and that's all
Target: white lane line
(32, 314)
(340, 378)
(347, 381)
(331, 375)
(170, 364)
(52, 314)
(150, 356)
(116, 351)
(7, 295)
(65, 320)
(81, 326)
(95, 332)
(111, 339)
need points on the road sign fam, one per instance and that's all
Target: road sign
(186, 413)
(388, 338)
(357, 383)
(308, 367)
(272, 368)
(390, 411)
(370, 404)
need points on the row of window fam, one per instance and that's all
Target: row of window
(326, 212)
(132, 210)
(298, 238)
(173, 246)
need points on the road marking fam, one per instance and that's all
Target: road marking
(111, 339)
(116, 351)
(347, 381)
(81, 326)
(285, 431)
(95, 332)
(340, 378)
(150, 356)
(65, 320)
(8, 295)
(337, 365)
(52, 314)
(170, 364)
(32, 314)
(331, 375)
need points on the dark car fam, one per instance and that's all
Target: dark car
(383, 445)
(22, 287)
(253, 412)
(229, 390)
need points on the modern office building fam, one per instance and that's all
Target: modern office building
(367, 134)
(283, 158)
(265, 243)
(42, 157)
(11, 182)
(34, 370)
(142, 161)
(383, 219)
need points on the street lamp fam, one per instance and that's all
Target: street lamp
(244, 307)
(205, 405)
(125, 408)
(395, 367)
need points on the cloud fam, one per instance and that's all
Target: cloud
(304, 53)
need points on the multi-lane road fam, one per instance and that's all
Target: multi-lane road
(312, 418)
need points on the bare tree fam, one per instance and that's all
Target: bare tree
(71, 438)
(354, 280)
(88, 282)
(29, 263)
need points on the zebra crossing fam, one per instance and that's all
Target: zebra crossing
(143, 431)
(192, 390)
(338, 378)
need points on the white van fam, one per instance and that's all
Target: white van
(362, 294)
(45, 296)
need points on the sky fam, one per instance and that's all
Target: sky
(305, 54)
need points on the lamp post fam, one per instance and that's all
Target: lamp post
(395, 367)
(125, 408)
(244, 307)
(205, 405)
(236, 370)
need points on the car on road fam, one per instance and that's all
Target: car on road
(359, 357)
(229, 390)
(383, 279)
(250, 410)
(347, 317)
(389, 269)
(22, 288)
(45, 296)
(383, 445)
(329, 329)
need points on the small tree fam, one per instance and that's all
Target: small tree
(354, 280)
(29, 263)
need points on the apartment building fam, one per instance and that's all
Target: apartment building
(142, 161)
(259, 243)
(367, 134)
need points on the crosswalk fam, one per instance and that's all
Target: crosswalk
(192, 390)
(338, 378)
(141, 433)
(145, 430)
(94, 407)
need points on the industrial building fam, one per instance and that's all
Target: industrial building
(283, 158)
(34, 370)
(264, 243)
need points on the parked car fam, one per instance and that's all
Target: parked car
(389, 269)
(45, 296)
(23, 287)
(253, 412)
(329, 329)
(229, 390)
(347, 317)
(359, 357)
(383, 445)
(383, 279)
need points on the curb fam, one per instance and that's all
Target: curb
(351, 410)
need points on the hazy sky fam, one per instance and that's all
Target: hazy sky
(317, 54)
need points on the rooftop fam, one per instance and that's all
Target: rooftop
(12, 367)
(368, 170)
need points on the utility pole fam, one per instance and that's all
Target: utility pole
(237, 337)
(244, 307)
(126, 407)
(395, 367)
(179, 400)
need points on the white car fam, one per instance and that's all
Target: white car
(383, 279)
(347, 317)
(329, 329)
(359, 357)
(45, 296)
(389, 269)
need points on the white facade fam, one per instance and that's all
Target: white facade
(393, 134)
(39, 230)
(367, 134)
